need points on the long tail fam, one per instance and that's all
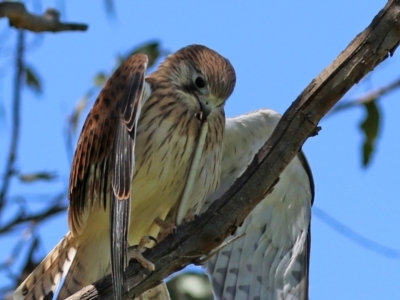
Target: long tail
(92, 262)
(81, 262)
(46, 277)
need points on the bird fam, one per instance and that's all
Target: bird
(132, 163)
(271, 260)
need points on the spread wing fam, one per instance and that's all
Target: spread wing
(104, 160)
(272, 260)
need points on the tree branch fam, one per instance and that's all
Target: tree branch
(48, 212)
(12, 154)
(197, 238)
(19, 17)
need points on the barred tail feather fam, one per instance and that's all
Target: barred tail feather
(91, 263)
(45, 278)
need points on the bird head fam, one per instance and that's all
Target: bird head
(202, 74)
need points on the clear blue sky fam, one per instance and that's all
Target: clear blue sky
(277, 48)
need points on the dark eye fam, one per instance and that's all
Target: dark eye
(200, 83)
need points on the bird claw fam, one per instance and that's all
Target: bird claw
(190, 217)
(140, 248)
(166, 228)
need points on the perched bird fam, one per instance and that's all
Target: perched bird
(132, 163)
(271, 261)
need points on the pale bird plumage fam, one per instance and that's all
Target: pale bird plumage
(271, 261)
(137, 144)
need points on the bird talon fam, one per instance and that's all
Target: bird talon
(167, 228)
(151, 238)
(137, 255)
(191, 217)
(145, 241)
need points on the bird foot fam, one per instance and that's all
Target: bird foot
(190, 217)
(166, 228)
(137, 253)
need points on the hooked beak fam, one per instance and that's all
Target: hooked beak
(205, 108)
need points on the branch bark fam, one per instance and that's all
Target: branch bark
(19, 17)
(197, 238)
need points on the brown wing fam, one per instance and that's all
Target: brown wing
(122, 161)
(118, 105)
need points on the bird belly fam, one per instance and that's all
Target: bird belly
(163, 161)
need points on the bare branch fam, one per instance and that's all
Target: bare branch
(50, 211)
(18, 82)
(354, 236)
(19, 17)
(199, 237)
(368, 97)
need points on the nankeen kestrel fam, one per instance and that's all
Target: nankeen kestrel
(132, 163)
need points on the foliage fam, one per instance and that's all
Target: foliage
(370, 128)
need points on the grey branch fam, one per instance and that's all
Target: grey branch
(20, 18)
(199, 237)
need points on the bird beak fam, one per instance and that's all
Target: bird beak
(205, 108)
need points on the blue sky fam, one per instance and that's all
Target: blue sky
(277, 48)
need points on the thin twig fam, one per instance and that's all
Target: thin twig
(54, 209)
(355, 237)
(12, 154)
(368, 97)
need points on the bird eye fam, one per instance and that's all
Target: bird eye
(200, 83)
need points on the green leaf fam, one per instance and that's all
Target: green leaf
(370, 127)
(100, 79)
(29, 178)
(32, 80)
(151, 49)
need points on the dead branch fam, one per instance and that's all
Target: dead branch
(197, 238)
(20, 18)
